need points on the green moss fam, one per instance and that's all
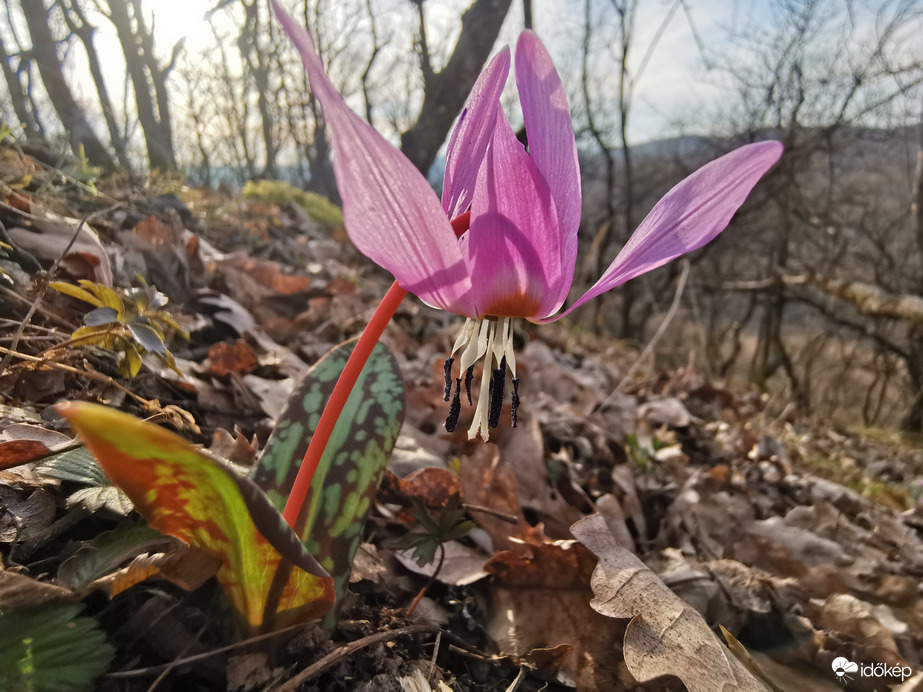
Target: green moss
(876, 490)
(318, 208)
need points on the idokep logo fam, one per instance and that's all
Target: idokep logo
(842, 667)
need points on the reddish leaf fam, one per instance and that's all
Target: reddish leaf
(226, 358)
(16, 452)
(266, 573)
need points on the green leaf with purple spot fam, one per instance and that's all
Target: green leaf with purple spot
(347, 478)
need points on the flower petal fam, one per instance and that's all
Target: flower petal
(514, 245)
(391, 213)
(552, 145)
(472, 134)
(690, 215)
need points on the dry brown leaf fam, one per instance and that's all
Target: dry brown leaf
(489, 482)
(368, 565)
(432, 485)
(541, 602)
(20, 591)
(740, 651)
(28, 512)
(52, 235)
(227, 358)
(16, 452)
(847, 615)
(234, 447)
(665, 636)
(524, 452)
(186, 567)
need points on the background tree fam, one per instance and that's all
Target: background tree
(148, 79)
(72, 116)
(79, 25)
(835, 212)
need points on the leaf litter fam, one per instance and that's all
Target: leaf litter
(693, 508)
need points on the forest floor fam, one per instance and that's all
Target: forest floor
(803, 541)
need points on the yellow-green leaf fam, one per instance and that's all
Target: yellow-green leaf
(267, 574)
(76, 292)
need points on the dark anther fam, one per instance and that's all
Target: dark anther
(447, 373)
(515, 399)
(455, 408)
(497, 388)
(469, 376)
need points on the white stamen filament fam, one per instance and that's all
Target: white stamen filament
(492, 340)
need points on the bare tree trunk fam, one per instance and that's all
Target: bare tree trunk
(72, 117)
(19, 96)
(913, 420)
(258, 64)
(146, 76)
(445, 91)
(77, 22)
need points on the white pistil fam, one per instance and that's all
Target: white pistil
(492, 340)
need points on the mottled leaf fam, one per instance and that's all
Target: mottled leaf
(348, 475)
(266, 573)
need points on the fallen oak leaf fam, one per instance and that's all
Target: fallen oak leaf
(744, 656)
(665, 636)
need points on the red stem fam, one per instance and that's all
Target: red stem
(344, 386)
(334, 407)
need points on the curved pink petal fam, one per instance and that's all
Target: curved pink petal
(690, 215)
(472, 134)
(391, 213)
(513, 245)
(552, 145)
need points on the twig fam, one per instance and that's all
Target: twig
(661, 330)
(508, 518)
(91, 374)
(151, 670)
(41, 292)
(518, 681)
(335, 656)
(429, 582)
(173, 664)
(432, 661)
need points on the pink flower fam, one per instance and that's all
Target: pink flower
(517, 251)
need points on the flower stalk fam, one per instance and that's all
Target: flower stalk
(344, 387)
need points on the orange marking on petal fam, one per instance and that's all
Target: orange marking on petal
(517, 304)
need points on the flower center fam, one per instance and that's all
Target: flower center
(518, 304)
(490, 338)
